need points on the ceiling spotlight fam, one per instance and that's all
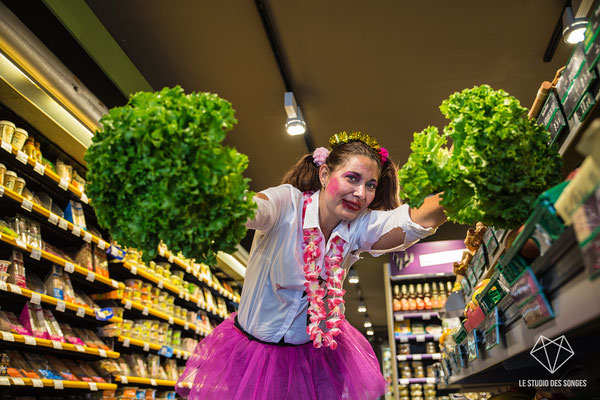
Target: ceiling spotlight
(367, 324)
(362, 308)
(295, 124)
(574, 28)
(353, 277)
(370, 332)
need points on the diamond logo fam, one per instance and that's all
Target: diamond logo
(552, 354)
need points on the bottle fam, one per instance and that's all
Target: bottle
(426, 296)
(404, 304)
(412, 300)
(448, 287)
(443, 295)
(435, 299)
(419, 299)
(38, 152)
(29, 148)
(396, 303)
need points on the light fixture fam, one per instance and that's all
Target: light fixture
(362, 308)
(574, 28)
(353, 277)
(370, 332)
(367, 324)
(295, 124)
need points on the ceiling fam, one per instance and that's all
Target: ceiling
(380, 67)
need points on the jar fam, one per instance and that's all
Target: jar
(404, 348)
(127, 293)
(430, 348)
(7, 128)
(154, 294)
(19, 137)
(19, 185)
(430, 371)
(406, 372)
(177, 277)
(9, 179)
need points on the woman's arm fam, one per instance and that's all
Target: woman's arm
(429, 215)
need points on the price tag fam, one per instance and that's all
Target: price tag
(64, 183)
(8, 337)
(53, 219)
(4, 381)
(1, 190)
(188, 269)
(420, 338)
(3, 286)
(161, 251)
(187, 296)
(178, 354)
(186, 326)
(101, 244)
(87, 237)
(27, 205)
(181, 294)
(80, 312)
(76, 230)
(21, 156)
(124, 379)
(7, 146)
(426, 316)
(171, 321)
(436, 356)
(199, 304)
(416, 357)
(18, 381)
(431, 380)
(133, 270)
(15, 289)
(69, 267)
(128, 304)
(57, 345)
(402, 358)
(93, 386)
(160, 284)
(60, 305)
(84, 198)
(126, 344)
(21, 244)
(36, 298)
(403, 339)
(80, 348)
(145, 311)
(90, 276)
(114, 283)
(39, 168)
(146, 346)
(171, 258)
(198, 330)
(114, 251)
(58, 384)
(37, 383)
(36, 253)
(404, 381)
(186, 356)
(62, 224)
(153, 382)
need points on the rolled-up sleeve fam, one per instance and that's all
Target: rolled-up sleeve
(268, 211)
(378, 223)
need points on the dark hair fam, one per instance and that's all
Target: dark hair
(305, 174)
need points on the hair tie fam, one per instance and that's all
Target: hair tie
(383, 155)
(320, 156)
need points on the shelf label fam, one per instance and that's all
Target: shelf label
(124, 379)
(187, 296)
(186, 326)
(101, 244)
(91, 276)
(403, 339)
(60, 305)
(36, 298)
(426, 316)
(160, 284)
(186, 356)
(93, 386)
(181, 294)
(57, 345)
(133, 270)
(436, 356)
(420, 338)
(128, 304)
(145, 311)
(37, 383)
(80, 348)
(199, 304)
(15, 289)
(1, 190)
(146, 346)
(114, 283)
(198, 330)
(69, 267)
(21, 244)
(404, 381)
(3, 286)
(76, 230)
(416, 357)
(402, 358)
(161, 251)
(58, 384)
(102, 353)
(62, 224)
(84, 198)
(4, 381)
(87, 237)
(7, 146)
(188, 269)
(53, 219)
(80, 312)
(171, 321)
(171, 258)
(18, 381)
(21, 156)
(431, 380)
(178, 354)
(36, 253)
(39, 168)
(126, 344)
(153, 382)
(8, 337)
(27, 205)
(64, 183)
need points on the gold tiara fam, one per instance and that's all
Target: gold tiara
(343, 138)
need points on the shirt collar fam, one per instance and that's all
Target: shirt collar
(311, 220)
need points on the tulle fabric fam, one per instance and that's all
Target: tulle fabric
(228, 366)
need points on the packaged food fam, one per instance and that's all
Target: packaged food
(70, 335)
(85, 300)
(38, 152)
(19, 137)
(69, 292)
(134, 283)
(19, 185)
(2, 172)
(9, 179)
(17, 362)
(52, 327)
(55, 285)
(7, 130)
(136, 365)
(34, 234)
(77, 370)
(10, 323)
(78, 181)
(63, 170)
(74, 214)
(16, 270)
(58, 366)
(91, 372)
(84, 257)
(32, 319)
(29, 148)
(4, 267)
(100, 262)
(210, 302)
(108, 367)
(153, 366)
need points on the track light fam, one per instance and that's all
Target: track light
(353, 277)
(362, 308)
(370, 332)
(574, 28)
(295, 124)
(367, 324)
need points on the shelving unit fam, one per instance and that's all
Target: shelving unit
(147, 346)
(56, 384)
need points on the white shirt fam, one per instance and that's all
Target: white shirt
(272, 304)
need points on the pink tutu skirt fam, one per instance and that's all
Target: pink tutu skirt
(227, 365)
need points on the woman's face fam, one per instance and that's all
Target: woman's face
(350, 189)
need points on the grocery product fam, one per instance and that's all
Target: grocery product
(74, 214)
(7, 130)
(19, 137)
(84, 257)
(70, 335)
(52, 327)
(2, 172)
(10, 323)
(54, 284)
(32, 319)
(16, 270)
(100, 262)
(9, 179)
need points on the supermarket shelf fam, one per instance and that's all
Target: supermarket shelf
(128, 305)
(402, 315)
(147, 346)
(142, 271)
(419, 338)
(61, 305)
(408, 381)
(56, 383)
(416, 357)
(422, 276)
(144, 381)
(31, 341)
(68, 266)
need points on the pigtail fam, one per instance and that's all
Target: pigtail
(304, 176)
(386, 195)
